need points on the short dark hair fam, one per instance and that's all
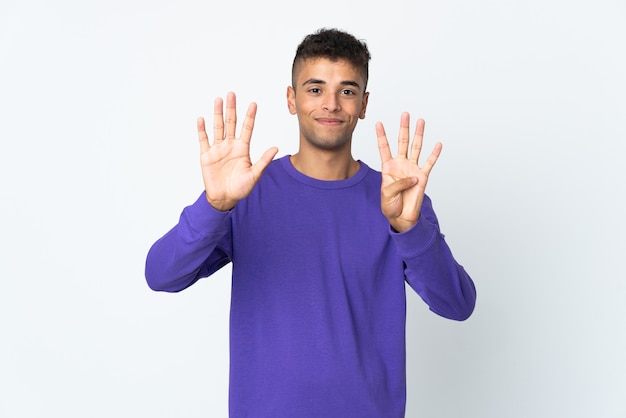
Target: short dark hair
(335, 45)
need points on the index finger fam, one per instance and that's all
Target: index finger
(248, 123)
(383, 144)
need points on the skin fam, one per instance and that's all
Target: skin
(227, 171)
(403, 180)
(328, 98)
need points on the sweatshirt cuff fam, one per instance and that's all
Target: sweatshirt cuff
(416, 240)
(201, 216)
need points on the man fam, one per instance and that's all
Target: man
(321, 247)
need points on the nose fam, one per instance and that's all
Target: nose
(331, 103)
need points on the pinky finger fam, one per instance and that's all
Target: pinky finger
(432, 159)
(203, 138)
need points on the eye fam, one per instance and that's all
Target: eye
(347, 92)
(314, 90)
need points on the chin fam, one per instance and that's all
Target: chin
(331, 145)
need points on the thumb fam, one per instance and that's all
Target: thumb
(264, 161)
(399, 186)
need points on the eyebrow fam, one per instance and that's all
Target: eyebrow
(343, 83)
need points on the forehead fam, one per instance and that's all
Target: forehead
(327, 70)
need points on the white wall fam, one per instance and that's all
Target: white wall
(98, 156)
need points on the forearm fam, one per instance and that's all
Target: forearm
(192, 249)
(432, 271)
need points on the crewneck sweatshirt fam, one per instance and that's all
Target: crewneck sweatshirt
(318, 302)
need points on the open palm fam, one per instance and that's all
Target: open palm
(403, 180)
(227, 171)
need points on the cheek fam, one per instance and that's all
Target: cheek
(357, 111)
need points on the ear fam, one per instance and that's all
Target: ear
(291, 100)
(364, 105)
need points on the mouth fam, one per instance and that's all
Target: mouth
(329, 121)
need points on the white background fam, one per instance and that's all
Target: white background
(98, 156)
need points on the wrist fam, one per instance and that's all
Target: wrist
(220, 205)
(400, 226)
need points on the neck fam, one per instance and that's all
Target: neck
(325, 165)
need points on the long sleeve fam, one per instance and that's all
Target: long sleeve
(318, 312)
(432, 271)
(196, 247)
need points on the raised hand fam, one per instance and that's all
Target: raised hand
(227, 170)
(403, 180)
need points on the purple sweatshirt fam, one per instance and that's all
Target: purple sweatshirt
(318, 309)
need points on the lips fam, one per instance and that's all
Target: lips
(329, 121)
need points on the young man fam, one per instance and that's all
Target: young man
(321, 247)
